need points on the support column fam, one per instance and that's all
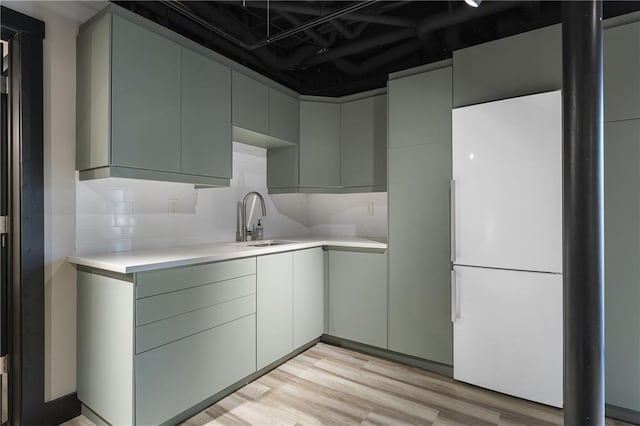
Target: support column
(583, 216)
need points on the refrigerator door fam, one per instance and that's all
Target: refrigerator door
(507, 171)
(508, 332)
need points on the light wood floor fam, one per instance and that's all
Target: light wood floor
(333, 386)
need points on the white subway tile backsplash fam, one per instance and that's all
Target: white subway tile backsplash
(124, 214)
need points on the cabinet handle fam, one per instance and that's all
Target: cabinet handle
(454, 297)
(452, 218)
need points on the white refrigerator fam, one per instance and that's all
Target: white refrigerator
(507, 246)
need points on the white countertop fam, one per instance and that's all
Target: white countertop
(127, 262)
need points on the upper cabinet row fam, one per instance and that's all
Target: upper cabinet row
(153, 105)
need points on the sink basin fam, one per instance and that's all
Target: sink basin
(267, 243)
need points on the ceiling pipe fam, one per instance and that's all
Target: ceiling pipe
(234, 27)
(346, 32)
(424, 28)
(367, 66)
(460, 15)
(306, 9)
(384, 58)
(360, 46)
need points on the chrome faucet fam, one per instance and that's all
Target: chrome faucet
(244, 212)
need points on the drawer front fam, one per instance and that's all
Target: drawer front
(167, 305)
(168, 330)
(167, 280)
(175, 377)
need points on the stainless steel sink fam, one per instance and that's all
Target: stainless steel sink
(267, 243)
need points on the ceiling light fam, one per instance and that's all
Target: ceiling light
(473, 3)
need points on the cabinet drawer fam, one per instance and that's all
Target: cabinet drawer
(161, 332)
(167, 305)
(175, 377)
(166, 280)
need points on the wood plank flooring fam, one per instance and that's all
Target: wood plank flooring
(327, 385)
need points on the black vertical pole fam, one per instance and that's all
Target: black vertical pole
(583, 213)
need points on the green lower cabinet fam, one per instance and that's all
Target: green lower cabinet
(622, 272)
(419, 254)
(308, 295)
(358, 297)
(274, 307)
(175, 377)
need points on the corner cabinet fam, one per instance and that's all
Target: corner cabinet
(342, 146)
(363, 143)
(148, 107)
(358, 297)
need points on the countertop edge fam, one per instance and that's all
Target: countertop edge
(130, 266)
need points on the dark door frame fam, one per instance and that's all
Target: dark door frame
(26, 349)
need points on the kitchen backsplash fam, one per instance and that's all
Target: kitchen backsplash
(121, 214)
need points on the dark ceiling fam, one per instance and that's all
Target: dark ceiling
(334, 48)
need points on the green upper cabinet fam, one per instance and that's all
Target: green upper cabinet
(519, 65)
(363, 143)
(250, 104)
(145, 98)
(320, 145)
(262, 115)
(418, 106)
(147, 106)
(284, 116)
(206, 116)
(621, 71)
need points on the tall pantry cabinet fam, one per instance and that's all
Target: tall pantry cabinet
(419, 237)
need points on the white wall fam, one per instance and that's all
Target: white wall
(59, 157)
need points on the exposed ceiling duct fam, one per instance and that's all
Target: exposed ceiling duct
(334, 48)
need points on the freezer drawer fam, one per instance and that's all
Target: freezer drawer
(507, 183)
(508, 332)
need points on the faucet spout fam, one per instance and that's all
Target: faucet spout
(244, 212)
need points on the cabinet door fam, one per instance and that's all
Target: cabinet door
(522, 64)
(206, 116)
(274, 307)
(419, 254)
(508, 332)
(622, 270)
(358, 297)
(621, 70)
(420, 109)
(363, 142)
(175, 377)
(284, 116)
(250, 104)
(282, 167)
(319, 145)
(145, 99)
(308, 295)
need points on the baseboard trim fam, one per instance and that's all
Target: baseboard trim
(62, 409)
(623, 414)
(436, 367)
